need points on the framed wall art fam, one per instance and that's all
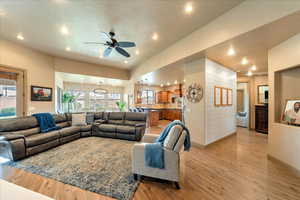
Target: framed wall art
(217, 96)
(229, 97)
(291, 112)
(41, 93)
(224, 97)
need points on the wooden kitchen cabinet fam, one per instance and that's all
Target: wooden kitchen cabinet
(171, 114)
(163, 97)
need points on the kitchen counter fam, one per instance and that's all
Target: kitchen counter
(155, 114)
(146, 108)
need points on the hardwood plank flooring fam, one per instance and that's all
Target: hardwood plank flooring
(235, 168)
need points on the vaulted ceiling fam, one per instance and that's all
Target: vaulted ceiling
(40, 24)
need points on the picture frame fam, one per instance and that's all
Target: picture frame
(217, 96)
(229, 97)
(291, 112)
(39, 93)
(224, 99)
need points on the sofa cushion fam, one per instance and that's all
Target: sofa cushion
(133, 119)
(90, 118)
(116, 118)
(27, 132)
(79, 119)
(41, 138)
(69, 131)
(63, 124)
(18, 123)
(125, 129)
(135, 116)
(107, 128)
(98, 115)
(100, 121)
(173, 137)
(59, 118)
(86, 128)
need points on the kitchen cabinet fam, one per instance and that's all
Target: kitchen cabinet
(171, 114)
(163, 97)
(153, 117)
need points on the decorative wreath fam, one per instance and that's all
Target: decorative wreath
(194, 93)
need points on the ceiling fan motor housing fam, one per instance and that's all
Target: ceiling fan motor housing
(112, 34)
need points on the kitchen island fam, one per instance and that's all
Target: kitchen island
(156, 114)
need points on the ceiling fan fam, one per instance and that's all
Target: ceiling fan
(114, 44)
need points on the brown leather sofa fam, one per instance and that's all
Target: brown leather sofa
(21, 137)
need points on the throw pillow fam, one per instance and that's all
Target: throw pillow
(172, 137)
(79, 119)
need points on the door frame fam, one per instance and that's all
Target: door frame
(249, 96)
(23, 74)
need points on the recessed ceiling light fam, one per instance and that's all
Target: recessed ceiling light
(154, 36)
(184, 80)
(137, 52)
(249, 73)
(125, 61)
(64, 30)
(244, 61)
(20, 36)
(188, 8)
(68, 49)
(231, 51)
(253, 68)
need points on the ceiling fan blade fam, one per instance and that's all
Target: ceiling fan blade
(123, 52)
(126, 44)
(95, 43)
(105, 34)
(107, 51)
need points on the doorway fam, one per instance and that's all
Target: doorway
(243, 105)
(12, 97)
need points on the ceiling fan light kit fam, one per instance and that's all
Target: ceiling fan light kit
(114, 44)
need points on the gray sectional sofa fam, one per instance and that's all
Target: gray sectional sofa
(21, 137)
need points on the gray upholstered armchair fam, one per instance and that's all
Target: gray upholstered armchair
(172, 147)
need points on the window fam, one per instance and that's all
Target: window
(148, 97)
(86, 101)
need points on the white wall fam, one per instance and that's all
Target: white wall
(220, 121)
(206, 122)
(77, 67)
(194, 72)
(283, 140)
(39, 68)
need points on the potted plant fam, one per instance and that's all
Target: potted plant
(68, 100)
(121, 105)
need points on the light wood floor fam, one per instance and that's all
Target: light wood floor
(235, 168)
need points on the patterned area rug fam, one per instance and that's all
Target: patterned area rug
(95, 164)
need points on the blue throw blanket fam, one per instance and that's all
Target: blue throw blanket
(46, 122)
(154, 153)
